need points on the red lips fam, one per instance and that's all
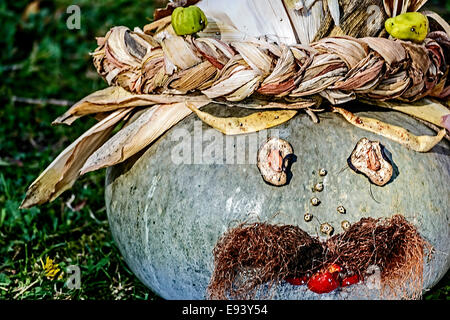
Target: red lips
(348, 281)
(325, 281)
(298, 281)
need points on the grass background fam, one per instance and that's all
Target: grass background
(41, 59)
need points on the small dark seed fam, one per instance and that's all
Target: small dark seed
(308, 217)
(326, 228)
(315, 201)
(345, 225)
(318, 187)
(341, 210)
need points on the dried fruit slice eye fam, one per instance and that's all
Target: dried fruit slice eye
(369, 159)
(274, 161)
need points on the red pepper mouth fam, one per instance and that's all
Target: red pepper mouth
(328, 280)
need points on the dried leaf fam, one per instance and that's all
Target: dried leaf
(333, 6)
(149, 126)
(392, 87)
(245, 91)
(193, 78)
(306, 20)
(358, 19)
(238, 79)
(444, 24)
(425, 109)
(350, 50)
(258, 104)
(158, 24)
(281, 81)
(365, 72)
(62, 173)
(255, 58)
(391, 51)
(328, 76)
(216, 52)
(396, 7)
(395, 133)
(113, 98)
(179, 52)
(252, 123)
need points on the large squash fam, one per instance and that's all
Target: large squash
(167, 212)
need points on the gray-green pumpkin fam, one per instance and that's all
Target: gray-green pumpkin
(168, 209)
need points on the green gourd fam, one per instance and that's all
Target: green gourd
(188, 20)
(411, 26)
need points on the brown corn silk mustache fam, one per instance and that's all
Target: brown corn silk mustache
(251, 255)
(260, 253)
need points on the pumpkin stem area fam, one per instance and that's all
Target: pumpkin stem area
(252, 255)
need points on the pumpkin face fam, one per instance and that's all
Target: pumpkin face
(166, 216)
(188, 20)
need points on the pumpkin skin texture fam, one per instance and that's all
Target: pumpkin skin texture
(188, 20)
(166, 217)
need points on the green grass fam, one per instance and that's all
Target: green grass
(41, 58)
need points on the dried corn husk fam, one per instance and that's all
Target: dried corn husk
(362, 18)
(426, 109)
(239, 78)
(62, 173)
(252, 19)
(396, 7)
(193, 78)
(258, 104)
(149, 126)
(252, 123)
(306, 19)
(394, 133)
(444, 24)
(114, 98)
(282, 21)
(339, 69)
